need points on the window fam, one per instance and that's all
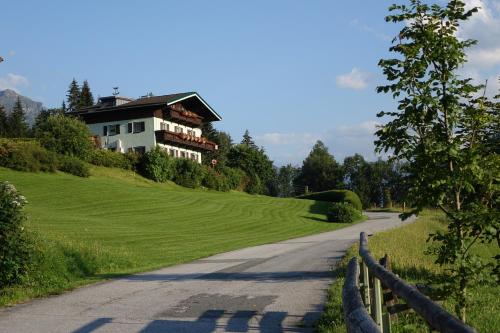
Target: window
(190, 132)
(139, 127)
(105, 130)
(140, 149)
(164, 127)
(194, 156)
(171, 152)
(136, 127)
(183, 154)
(178, 129)
(114, 129)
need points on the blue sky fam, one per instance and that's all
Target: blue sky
(292, 72)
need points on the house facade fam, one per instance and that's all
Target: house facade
(172, 122)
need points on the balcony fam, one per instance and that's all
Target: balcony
(185, 140)
(186, 118)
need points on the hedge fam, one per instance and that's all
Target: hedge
(335, 196)
(342, 212)
(29, 156)
(111, 159)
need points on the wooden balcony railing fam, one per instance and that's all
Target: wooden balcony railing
(184, 140)
(186, 117)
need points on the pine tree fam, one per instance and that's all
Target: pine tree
(86, 98)
(73, 96)
(248, 140)
(17, 126)
(3, 122)
(63, 106)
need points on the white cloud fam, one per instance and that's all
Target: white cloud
(13, 81)
(484, 58)
(356, 79)
(358, 130)
(483, 26)
(342, 140)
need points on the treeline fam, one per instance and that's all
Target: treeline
(378, 184)
(15, 125)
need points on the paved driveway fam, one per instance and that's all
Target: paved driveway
(278, 287)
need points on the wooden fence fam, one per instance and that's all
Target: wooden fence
(371, 302)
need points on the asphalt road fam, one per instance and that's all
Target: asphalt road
(278, 287)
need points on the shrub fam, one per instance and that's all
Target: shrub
(214, 180)
(111, 159)
(187, 173)
(335, 196)
(342, 212)
(133, 160)
(15, 246)
(156, 165)
(236, 178)
(254, 185)
(65, 135)
(74, 166)
(26, 156)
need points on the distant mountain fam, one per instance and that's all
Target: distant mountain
(8, 99)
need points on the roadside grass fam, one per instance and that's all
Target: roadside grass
(116, 222)
(405, 247)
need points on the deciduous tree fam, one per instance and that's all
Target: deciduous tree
(65, 135)
(320, 171)
(440, 130)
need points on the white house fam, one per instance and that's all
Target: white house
(172, 122)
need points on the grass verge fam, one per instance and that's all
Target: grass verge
(405, 247)
(116, 222)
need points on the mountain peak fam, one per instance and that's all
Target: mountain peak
(8, 99)
(9, 92)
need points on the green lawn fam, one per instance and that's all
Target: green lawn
(117, 222)
(405, 247)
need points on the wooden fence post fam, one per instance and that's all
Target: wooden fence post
(377, 304)
(365, 291)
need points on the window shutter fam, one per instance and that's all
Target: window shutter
(129, 127)
(105, 130)
(117, 129)
(143, 126)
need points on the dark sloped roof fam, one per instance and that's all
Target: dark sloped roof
(153, 101)
(164, 99)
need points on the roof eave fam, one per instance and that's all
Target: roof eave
(201, 100)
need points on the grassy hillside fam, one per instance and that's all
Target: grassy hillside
(405, 247)
(118, 222)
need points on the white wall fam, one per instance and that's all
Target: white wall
(179, 150)
(146, 138)
(128, 140)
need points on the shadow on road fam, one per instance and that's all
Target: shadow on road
(236, 276)
(239, 321)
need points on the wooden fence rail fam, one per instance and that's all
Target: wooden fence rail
(376, 316)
